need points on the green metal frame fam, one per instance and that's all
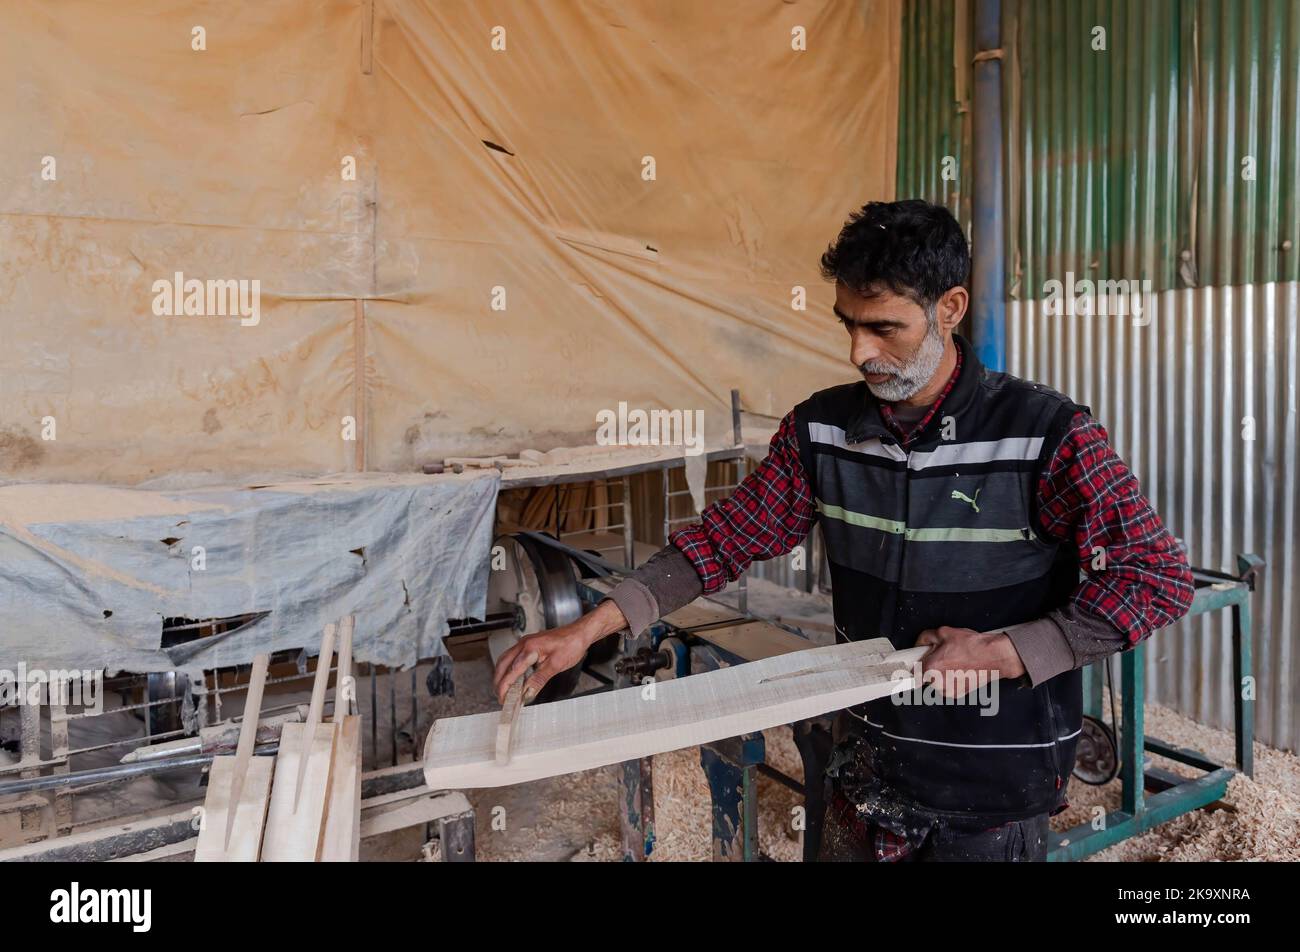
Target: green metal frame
(1177, 795)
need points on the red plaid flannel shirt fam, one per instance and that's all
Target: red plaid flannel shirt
(1087, 497)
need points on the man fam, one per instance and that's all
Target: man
(959, 508)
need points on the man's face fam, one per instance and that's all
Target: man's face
(892, 344)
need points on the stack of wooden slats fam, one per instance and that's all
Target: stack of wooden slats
(303, 805)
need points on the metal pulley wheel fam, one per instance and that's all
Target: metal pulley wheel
(538, 583)
(1096, 758)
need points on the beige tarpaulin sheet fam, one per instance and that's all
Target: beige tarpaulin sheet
(127, 156)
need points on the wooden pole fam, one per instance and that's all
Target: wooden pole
(247, 739)
(317, 704)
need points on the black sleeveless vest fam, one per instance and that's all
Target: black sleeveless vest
(946, 532)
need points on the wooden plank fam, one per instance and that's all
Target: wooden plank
(294, 835)
(239, 787)
(397, 796)
(798, 621)
(428, 808)
(245, 822)
(588, 732)
(247, 741)
(341, 840)
(59, 751)
(31, 823)
(700, 612)
(755, 640)
(585, 470)
(344, 685)
(316, 708)
(103, 843)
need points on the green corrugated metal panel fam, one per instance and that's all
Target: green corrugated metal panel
(1250, 75)
(1094, 173)
(932, 106)
(1125, 162)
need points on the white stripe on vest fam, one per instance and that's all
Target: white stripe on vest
(948, 454)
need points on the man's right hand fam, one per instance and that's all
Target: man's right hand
(555, 650)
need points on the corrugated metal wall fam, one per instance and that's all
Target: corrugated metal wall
(1171, 155)
(1130, 159)
(1202, 403)
(933, 105)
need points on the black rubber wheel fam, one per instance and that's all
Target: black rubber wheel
(557, 597)
(1096, 758)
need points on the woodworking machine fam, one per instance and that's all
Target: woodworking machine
(703, 636)
(565, 581)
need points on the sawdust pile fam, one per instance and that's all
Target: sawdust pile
(683, 821)
(1258, 819)
(557, 816)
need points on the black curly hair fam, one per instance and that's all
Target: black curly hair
(912, 248)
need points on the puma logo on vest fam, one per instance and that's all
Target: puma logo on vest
(958, 494)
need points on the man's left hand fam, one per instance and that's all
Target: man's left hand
(963, 652)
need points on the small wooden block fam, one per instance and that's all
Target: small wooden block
(422, 809)
(295, 835)
(506, 723)
(474, 462)
(250, 815)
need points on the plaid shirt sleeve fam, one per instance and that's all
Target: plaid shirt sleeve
(770, 513)
(1137, 577)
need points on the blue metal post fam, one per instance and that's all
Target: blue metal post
(988, 226)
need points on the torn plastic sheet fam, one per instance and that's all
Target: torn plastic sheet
(88, 573)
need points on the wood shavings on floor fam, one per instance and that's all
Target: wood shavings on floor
(1258, 819)
(683, 821)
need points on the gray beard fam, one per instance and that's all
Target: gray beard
(906, 381)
